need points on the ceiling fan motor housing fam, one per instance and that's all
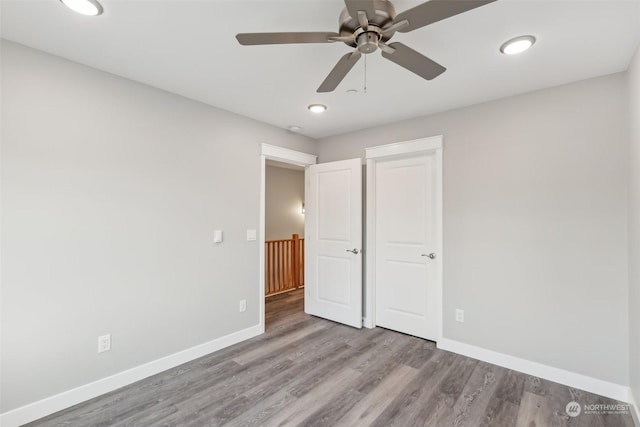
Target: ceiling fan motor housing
(367, 41)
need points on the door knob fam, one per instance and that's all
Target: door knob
(355, 251)
(431, 255)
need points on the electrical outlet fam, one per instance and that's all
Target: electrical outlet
(459, 315)
(104, 343)
(243, 305)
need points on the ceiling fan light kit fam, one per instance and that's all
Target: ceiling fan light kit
(368, 25)
(84, 7)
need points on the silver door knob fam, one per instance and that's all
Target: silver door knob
(431, 255)
(354, 251)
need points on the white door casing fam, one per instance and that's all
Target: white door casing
(333, 241)
(404, 228)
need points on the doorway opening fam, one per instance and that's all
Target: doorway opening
(296, 162)
(284, 241)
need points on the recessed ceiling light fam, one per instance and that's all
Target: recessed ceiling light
(517, 45)
(295, 128)
(84, 7)
(352, 91)
(317, 108)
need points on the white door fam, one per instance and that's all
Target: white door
(333, 241)
(405, 240)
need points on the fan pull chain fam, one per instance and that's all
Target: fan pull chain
(365, 74)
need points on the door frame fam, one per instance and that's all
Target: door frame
(284, 155)
(415, 147)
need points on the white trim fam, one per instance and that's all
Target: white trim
(635, 411)
(58, 402)
(261, 254)
(432, 144)
(440, 238)
(408, 147)
(370, 259)
(286, 155)
(571, 379)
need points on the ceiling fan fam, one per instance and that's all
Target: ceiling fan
(367, 25)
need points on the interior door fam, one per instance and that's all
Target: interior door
(405, 217)
(333, 241)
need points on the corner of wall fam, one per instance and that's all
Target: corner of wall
(634, 234)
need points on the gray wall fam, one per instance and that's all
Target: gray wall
(535, 232)
(284, 194)
(111, 192)
(634, 226)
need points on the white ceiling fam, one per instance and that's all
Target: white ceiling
(188, 48)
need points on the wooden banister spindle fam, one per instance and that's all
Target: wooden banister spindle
(295, 261)
(301, 263)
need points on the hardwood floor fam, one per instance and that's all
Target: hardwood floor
(312, 372)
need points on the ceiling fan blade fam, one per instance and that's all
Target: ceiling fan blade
(436, 10)
(249, 39)
(362, 19)
(340, 71)
(355, 6)
(345, 39)
(395, 26)
(413, 61)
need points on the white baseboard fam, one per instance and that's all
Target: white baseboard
(572, 379)
(44, 407)
(635, 411)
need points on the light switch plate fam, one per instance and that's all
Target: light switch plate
(217, 236)
(104, 343)
(252, 235)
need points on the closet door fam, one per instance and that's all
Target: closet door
(406, 245)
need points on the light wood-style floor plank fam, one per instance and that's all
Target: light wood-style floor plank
(371, 405)
(475, 398)
(306, 371)
(535, 411)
